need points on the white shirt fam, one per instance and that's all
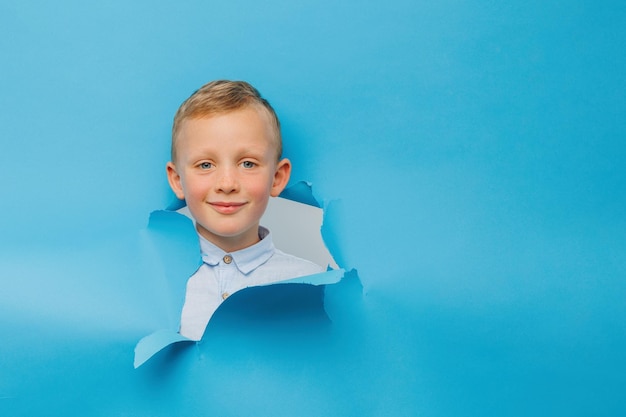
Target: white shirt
(222, 274)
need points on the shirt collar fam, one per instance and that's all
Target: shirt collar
(247, 259)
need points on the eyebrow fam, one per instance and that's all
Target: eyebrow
(206, 153)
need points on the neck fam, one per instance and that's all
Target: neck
(232, 243)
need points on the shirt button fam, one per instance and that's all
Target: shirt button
(227, 259)
(225, 296)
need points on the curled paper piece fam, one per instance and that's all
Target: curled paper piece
(332, 276)
(152, 344)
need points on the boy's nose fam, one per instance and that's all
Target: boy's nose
(227, 182)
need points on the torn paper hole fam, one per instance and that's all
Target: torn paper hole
(296, 229)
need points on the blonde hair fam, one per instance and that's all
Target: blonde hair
(222, 96)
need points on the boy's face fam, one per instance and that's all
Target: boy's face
(226, 170)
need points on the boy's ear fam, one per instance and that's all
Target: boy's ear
(174, 179)
(281, 177)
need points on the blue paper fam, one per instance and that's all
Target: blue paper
(469, 159)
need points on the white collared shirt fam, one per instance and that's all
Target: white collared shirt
(223, 273)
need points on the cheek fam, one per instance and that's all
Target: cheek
(195, 189)
(260, 188)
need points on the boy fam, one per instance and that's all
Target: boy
(226, 163)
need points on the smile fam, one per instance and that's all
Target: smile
(226, 207)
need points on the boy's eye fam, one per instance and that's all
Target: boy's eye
(248, 164)
(205, 165)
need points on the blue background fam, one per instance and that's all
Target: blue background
(470, 156)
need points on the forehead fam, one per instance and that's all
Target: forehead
(248, 125)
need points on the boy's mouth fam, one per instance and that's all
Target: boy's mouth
(226, 207)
